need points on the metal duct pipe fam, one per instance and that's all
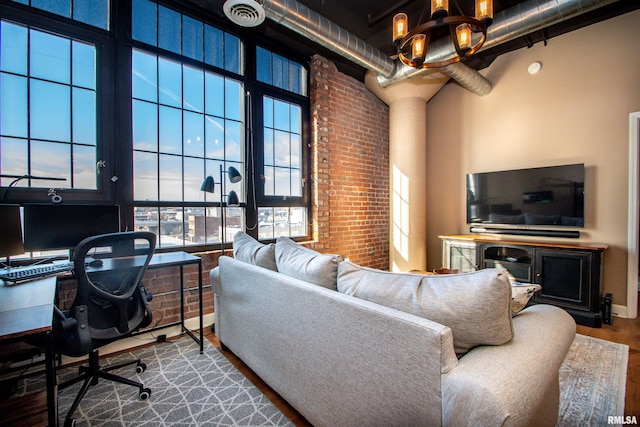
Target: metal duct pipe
(301, 19)
(468, 78)
(304, 21)
(517, 21)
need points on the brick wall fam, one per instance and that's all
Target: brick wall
(350, 143)
(350, 190)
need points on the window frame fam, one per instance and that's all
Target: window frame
(105, 120)
(256, 198)
(114, 125)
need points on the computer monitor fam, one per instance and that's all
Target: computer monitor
(63, 226)
(10, 231)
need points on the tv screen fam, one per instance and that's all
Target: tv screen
(63, 226)
(538, 197)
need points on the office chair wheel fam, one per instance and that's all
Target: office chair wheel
(145, 393)
(141, 367)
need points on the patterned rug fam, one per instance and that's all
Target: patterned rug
(192, 389)
(592, 382)
(188, 389)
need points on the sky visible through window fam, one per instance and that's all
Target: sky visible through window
(47, 107)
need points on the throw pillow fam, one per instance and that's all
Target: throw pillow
(248, 249)
(476, 306)
(521, 293)
(306, 264)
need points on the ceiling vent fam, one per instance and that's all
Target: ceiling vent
(246, 13)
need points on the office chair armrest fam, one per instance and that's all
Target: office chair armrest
(65, 323)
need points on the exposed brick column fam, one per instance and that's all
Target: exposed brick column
(350, 167)
(320, 144)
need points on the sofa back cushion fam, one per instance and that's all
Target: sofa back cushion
(306, 264)
(248, 249)
(476, 306)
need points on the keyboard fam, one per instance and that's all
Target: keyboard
(22, 274)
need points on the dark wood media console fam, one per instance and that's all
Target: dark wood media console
(570, 273)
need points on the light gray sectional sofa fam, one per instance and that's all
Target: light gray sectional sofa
(351, 346)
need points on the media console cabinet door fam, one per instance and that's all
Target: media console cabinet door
(567, 278)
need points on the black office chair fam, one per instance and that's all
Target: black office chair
(110, 304)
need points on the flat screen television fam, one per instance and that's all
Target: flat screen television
(63, 226)
(545, 197)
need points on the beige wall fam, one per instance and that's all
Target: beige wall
(575, 110)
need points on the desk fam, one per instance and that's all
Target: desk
(180, 259)
(164, 260)
(26, 310)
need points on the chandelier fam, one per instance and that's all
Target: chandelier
(467, 34)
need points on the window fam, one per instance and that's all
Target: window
(48, 104)
(157, 25)
(281, 196)
(138, 117)
(92, 12)
(187, 122)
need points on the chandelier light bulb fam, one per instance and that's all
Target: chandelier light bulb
(400, 26)
(484, 11)
(463, 33)
(439, 8)
(417, 47)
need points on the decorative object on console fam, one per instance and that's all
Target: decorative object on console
(467, 34)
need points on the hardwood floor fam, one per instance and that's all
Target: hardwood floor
(623, 331)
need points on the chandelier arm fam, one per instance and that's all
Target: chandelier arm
(452, 22)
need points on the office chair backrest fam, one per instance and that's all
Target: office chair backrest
(111, 287)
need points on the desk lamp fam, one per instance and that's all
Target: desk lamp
(18, 178)
(10, 232)
(208, 185)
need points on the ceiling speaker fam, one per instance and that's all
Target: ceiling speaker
(246, 13)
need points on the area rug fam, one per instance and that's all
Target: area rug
(592, 382)
(188, 389)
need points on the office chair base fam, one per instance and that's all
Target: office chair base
(91, 374)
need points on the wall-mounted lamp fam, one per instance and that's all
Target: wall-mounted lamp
(208, 185)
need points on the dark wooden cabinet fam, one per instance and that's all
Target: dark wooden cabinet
(570, 278)
(570, 274)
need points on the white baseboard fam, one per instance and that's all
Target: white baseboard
(619, 310)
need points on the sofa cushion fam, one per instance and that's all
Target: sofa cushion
(248, 249)
(476, 306)
(306, 264)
